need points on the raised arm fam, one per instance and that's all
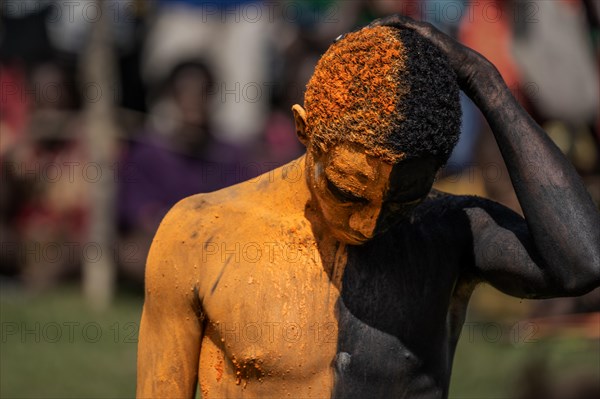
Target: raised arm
(171, 326)
(556, 250)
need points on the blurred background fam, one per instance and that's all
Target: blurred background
(111, 111)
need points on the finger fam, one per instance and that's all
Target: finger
(424, 29)
(340, 37)
(397, 20)
(343, 35)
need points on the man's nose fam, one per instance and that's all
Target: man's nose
(365, 220)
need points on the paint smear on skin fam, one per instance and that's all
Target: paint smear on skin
(219, 369)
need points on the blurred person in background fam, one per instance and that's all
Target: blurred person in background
(178, 154)
(44, 173)
(44, 204)
(233, 35)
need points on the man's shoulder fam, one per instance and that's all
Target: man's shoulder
(188, 224)
(439, 204)
(440, 200)
(199, 209)
(205, 212)
(227, 215)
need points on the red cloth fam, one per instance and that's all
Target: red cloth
(486, 28)
(14, 100)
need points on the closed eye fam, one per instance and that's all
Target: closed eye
(410, 198)
(344, 195)
(407, 198)
(394, 205)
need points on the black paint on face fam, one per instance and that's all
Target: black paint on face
(409, 183)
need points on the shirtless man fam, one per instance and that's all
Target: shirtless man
(352, 278)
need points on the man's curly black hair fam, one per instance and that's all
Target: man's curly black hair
(387, 89)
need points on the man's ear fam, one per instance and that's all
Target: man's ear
(300, 119)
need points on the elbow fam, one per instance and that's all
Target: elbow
(584, 278)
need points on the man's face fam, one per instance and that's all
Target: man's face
(359, 196)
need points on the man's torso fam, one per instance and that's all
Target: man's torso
(284, 316)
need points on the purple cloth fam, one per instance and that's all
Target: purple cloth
(153, 177)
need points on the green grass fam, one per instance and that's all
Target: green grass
(94, 357)
(495, 370)
(79, 367)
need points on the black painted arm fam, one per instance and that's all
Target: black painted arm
(555, 251)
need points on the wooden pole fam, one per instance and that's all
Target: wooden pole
(98, 79)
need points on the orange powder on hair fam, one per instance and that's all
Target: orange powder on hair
(355, 92)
